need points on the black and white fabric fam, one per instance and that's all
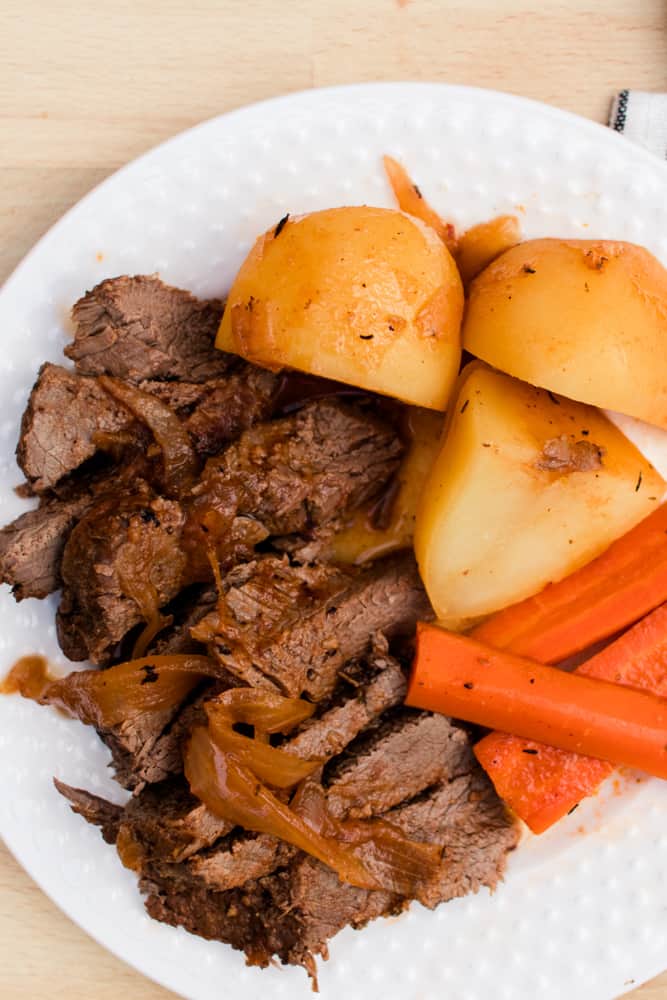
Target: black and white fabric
(641, 117)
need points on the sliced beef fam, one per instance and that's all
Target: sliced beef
(177, 638)
(70, 417)
(168, 824)
(139, 328)
(404, 755)
(31, 547)
(246, 855)
(467, 818)
(148, 749)
(267, 898)
(164, 823)
(236, 860)
(291, 913)
(121, 560)
(149, 753)
(304, 653)
(99, 812)
(236, 508)
(217, 411)
(328, 735)
(262, 600)
(135, 755)
(300, 471)
(63, 415)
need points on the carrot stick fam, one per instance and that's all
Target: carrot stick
(611, 592)
(459, 676)
(411, 200)
(541, 783)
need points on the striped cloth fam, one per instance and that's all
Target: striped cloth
(641, 117)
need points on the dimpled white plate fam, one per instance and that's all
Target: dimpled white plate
(583, 910)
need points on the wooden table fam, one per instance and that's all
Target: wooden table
(82, 93)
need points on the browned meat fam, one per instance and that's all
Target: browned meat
(145, 754)
(328, 735)
(396, 763)
(237, 859)
(177, 639)
(304, 653)
(303, 470)
(64, 413)
(149, 753)
(123, 555)
(471, 823)
(293, 912)
(400, 758)
(94, 810)
(267, 898)
(169, 824)
(135, 756)
(139, 328)
(244, 856)
(31, 547)
(69, 416)
(97, 610)
(217, 411)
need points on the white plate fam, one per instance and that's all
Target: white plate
(582, 912)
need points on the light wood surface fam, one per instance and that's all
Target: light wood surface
(84, 88)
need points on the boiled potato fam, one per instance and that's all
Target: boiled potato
(482, 243)
(367, 296)
(366, 536)
(584, 318)
(528, 486)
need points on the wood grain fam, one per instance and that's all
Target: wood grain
(84, 88)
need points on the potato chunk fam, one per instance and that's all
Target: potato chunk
(528, 486)
(367, 296)
(581, 317)
(480, 245)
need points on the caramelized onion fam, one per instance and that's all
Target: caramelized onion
(180, 460)
(234, 793)
(397, 863)
(371, 854)
(130, 850)
(266, 711)
(269, 764)
(104, 698)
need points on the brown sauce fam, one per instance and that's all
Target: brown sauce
(29, 677)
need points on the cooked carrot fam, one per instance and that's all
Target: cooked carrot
(541, 783)
(411, 200)
(459, 676)
(613, 591)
